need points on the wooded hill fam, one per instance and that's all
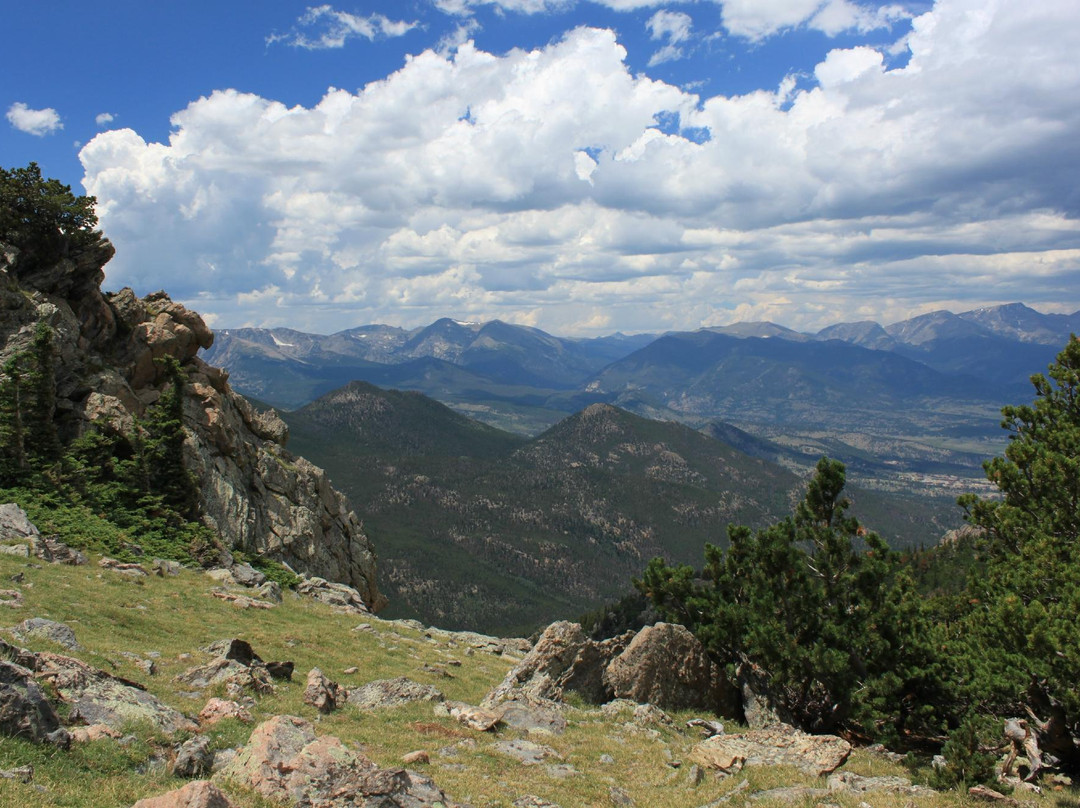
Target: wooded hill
(484, 529)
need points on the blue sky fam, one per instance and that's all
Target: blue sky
(583, 167)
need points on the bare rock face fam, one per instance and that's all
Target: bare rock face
(666, 666)
(24, 710)
(256, 495)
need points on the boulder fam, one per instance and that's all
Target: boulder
(285, 762)
(220, 709)
(392, 693)
(197, 794)
(562, 660)
(194, 758)
(40, 628)
(666, 666)
(95, 696)
(779, 745)
(15, 525)
(25, 712)
(340, 596)
(322, 694)
(759, 708)
(51, 549)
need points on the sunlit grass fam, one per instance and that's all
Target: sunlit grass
(120, 621)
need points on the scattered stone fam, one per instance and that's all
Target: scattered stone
(560, 771)
(24, 774)
(11, 598)
(774, 746)
(526, 753)
(241, 601)
(133, 570)
(667, 666)
(340, 596)
(392, 693)
(322, 694)
(222, 576)
(40, 628)
(197, 794)
(271, 591)
(532, 718)
(147, 666)
(620, 797)
(790, 794)
(281, 670)
(530, 801)
(94, 732)
(219, 709)
(25, 712)
(351, 670)
(21, 550)
(285, 762)
(473, 717)
(415, 758)
(164, 568)
(607, 760)
(237, 666)
(987, 794)
(646, 714)
(849, 781)
(710, 728)
(194, 758)
(694, 776)
(247, 575)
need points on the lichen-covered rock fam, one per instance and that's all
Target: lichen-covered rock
(666, 666)
(257, 496)
(25, 712)
(562, 660)
(285, 762)
(392, 693)
(323, 694)
(196, 794)
(780, 745)
(39, 627)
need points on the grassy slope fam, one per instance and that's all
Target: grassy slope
(113, 616)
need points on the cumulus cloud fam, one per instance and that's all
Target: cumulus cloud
(323, 27)
(539, 187)
(674, 26)
(757, 19)
(38, 122)
(104, 119)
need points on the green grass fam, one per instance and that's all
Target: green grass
(172, 618)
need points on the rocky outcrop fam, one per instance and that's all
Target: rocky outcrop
(257, 496)
(779, 745)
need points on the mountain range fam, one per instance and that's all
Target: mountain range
(898, 402)
(483, 528)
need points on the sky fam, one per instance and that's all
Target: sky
(582, 166)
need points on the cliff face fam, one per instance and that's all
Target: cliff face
(254, 493)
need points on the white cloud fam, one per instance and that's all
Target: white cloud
(674, 26)
(757, 19)
(38, 122)
(536, 186)
(323, 27)
(104, 119)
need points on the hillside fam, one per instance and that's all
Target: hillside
(148, 630)
(480, 528)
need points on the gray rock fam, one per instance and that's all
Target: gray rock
(15, 524)
(40, 628)
(165, 568)
(322, 694)
(285, 762)
(194, 758)
(392, 693)
(666, 666)
(779, 745)
(562, 660)
(531, 801)
(532, 718)
(247, 575)
(526, 753)
(25, 712)
(341, 596)
(51, 549)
